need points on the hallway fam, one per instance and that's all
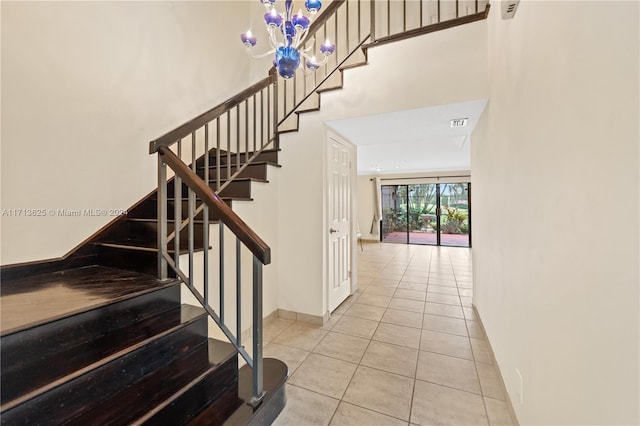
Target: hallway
(404, 348)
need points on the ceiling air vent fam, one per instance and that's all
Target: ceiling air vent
(459, 122)
(509, 8)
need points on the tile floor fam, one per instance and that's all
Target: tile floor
(404, 349)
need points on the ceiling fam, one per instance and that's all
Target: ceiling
(417, 140)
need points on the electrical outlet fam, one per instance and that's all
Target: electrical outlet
(519, 388)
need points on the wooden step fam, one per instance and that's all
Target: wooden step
(40, 299)
(151, 211)
(237, 188)
(86, 389)
(233, 406)
(256, 170)
(268, 155)
(38, 357)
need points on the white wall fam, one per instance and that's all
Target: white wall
(555, 196)
(458, 74)
(85, 87)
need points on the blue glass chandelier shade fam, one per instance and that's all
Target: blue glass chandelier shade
(287, 34)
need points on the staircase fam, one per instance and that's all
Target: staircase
(101, 336)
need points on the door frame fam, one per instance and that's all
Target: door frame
(331, 134)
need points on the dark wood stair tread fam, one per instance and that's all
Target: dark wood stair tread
(232, 408)
(34, 362)
(163, 386)
(85, 388)
(253, 163)
(33, 300)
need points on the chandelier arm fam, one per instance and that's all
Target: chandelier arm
(301, 36)
(272, 37)
(263, 55)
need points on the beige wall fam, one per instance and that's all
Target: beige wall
(85, 86)
(555, 196)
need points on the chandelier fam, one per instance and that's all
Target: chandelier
(287, 34)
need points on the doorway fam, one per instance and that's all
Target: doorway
(428, 213)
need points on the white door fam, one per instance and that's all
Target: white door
(339, 191)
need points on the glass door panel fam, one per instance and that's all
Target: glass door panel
(422, 207)
(454, 214)
(394, 214)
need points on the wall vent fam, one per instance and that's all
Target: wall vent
(459, 122)
(509, 8)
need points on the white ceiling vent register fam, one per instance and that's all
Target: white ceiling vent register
(459, 122)
(509, 8)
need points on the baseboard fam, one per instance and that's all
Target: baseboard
(297, 316)
(495, 362)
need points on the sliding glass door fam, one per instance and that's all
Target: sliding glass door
(454, 214)
(434, 213)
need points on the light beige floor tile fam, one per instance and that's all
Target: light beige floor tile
(291, 356)
(381, 291)
(345, 305)
(439, 405)
(446, 344)
(475, 330)
(490, 381)
(462, 284)
(383, 392)
(498, 412)
(405, 318)
(304, 407)
(275, 327)
(448, 371)
(352, 415)
(442, 283)
(392, 358)
(410, 294)
(417, 279)
(398, 335)
(374, 300)
(342, 346)
(355, 327)
(441, 289)
(406, 305)
(443, 298)
(333, 320)
(364, 279)
(467, 302)
(381, 282)
(300, 336)
(444, 324)
(412, 286)
(465, 292)
(481, 352)
(369, 312)
(325, 375)
(444, 310)
(469, 314)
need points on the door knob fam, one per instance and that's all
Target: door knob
(331, 230)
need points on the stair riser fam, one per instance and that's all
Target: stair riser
(235, 189)
(149, 209)
(144, 262)
(27, 356)
(148, 231)
(201, 394)
(134, 401)
(256, 171)
(86, 392)
(270, 156)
